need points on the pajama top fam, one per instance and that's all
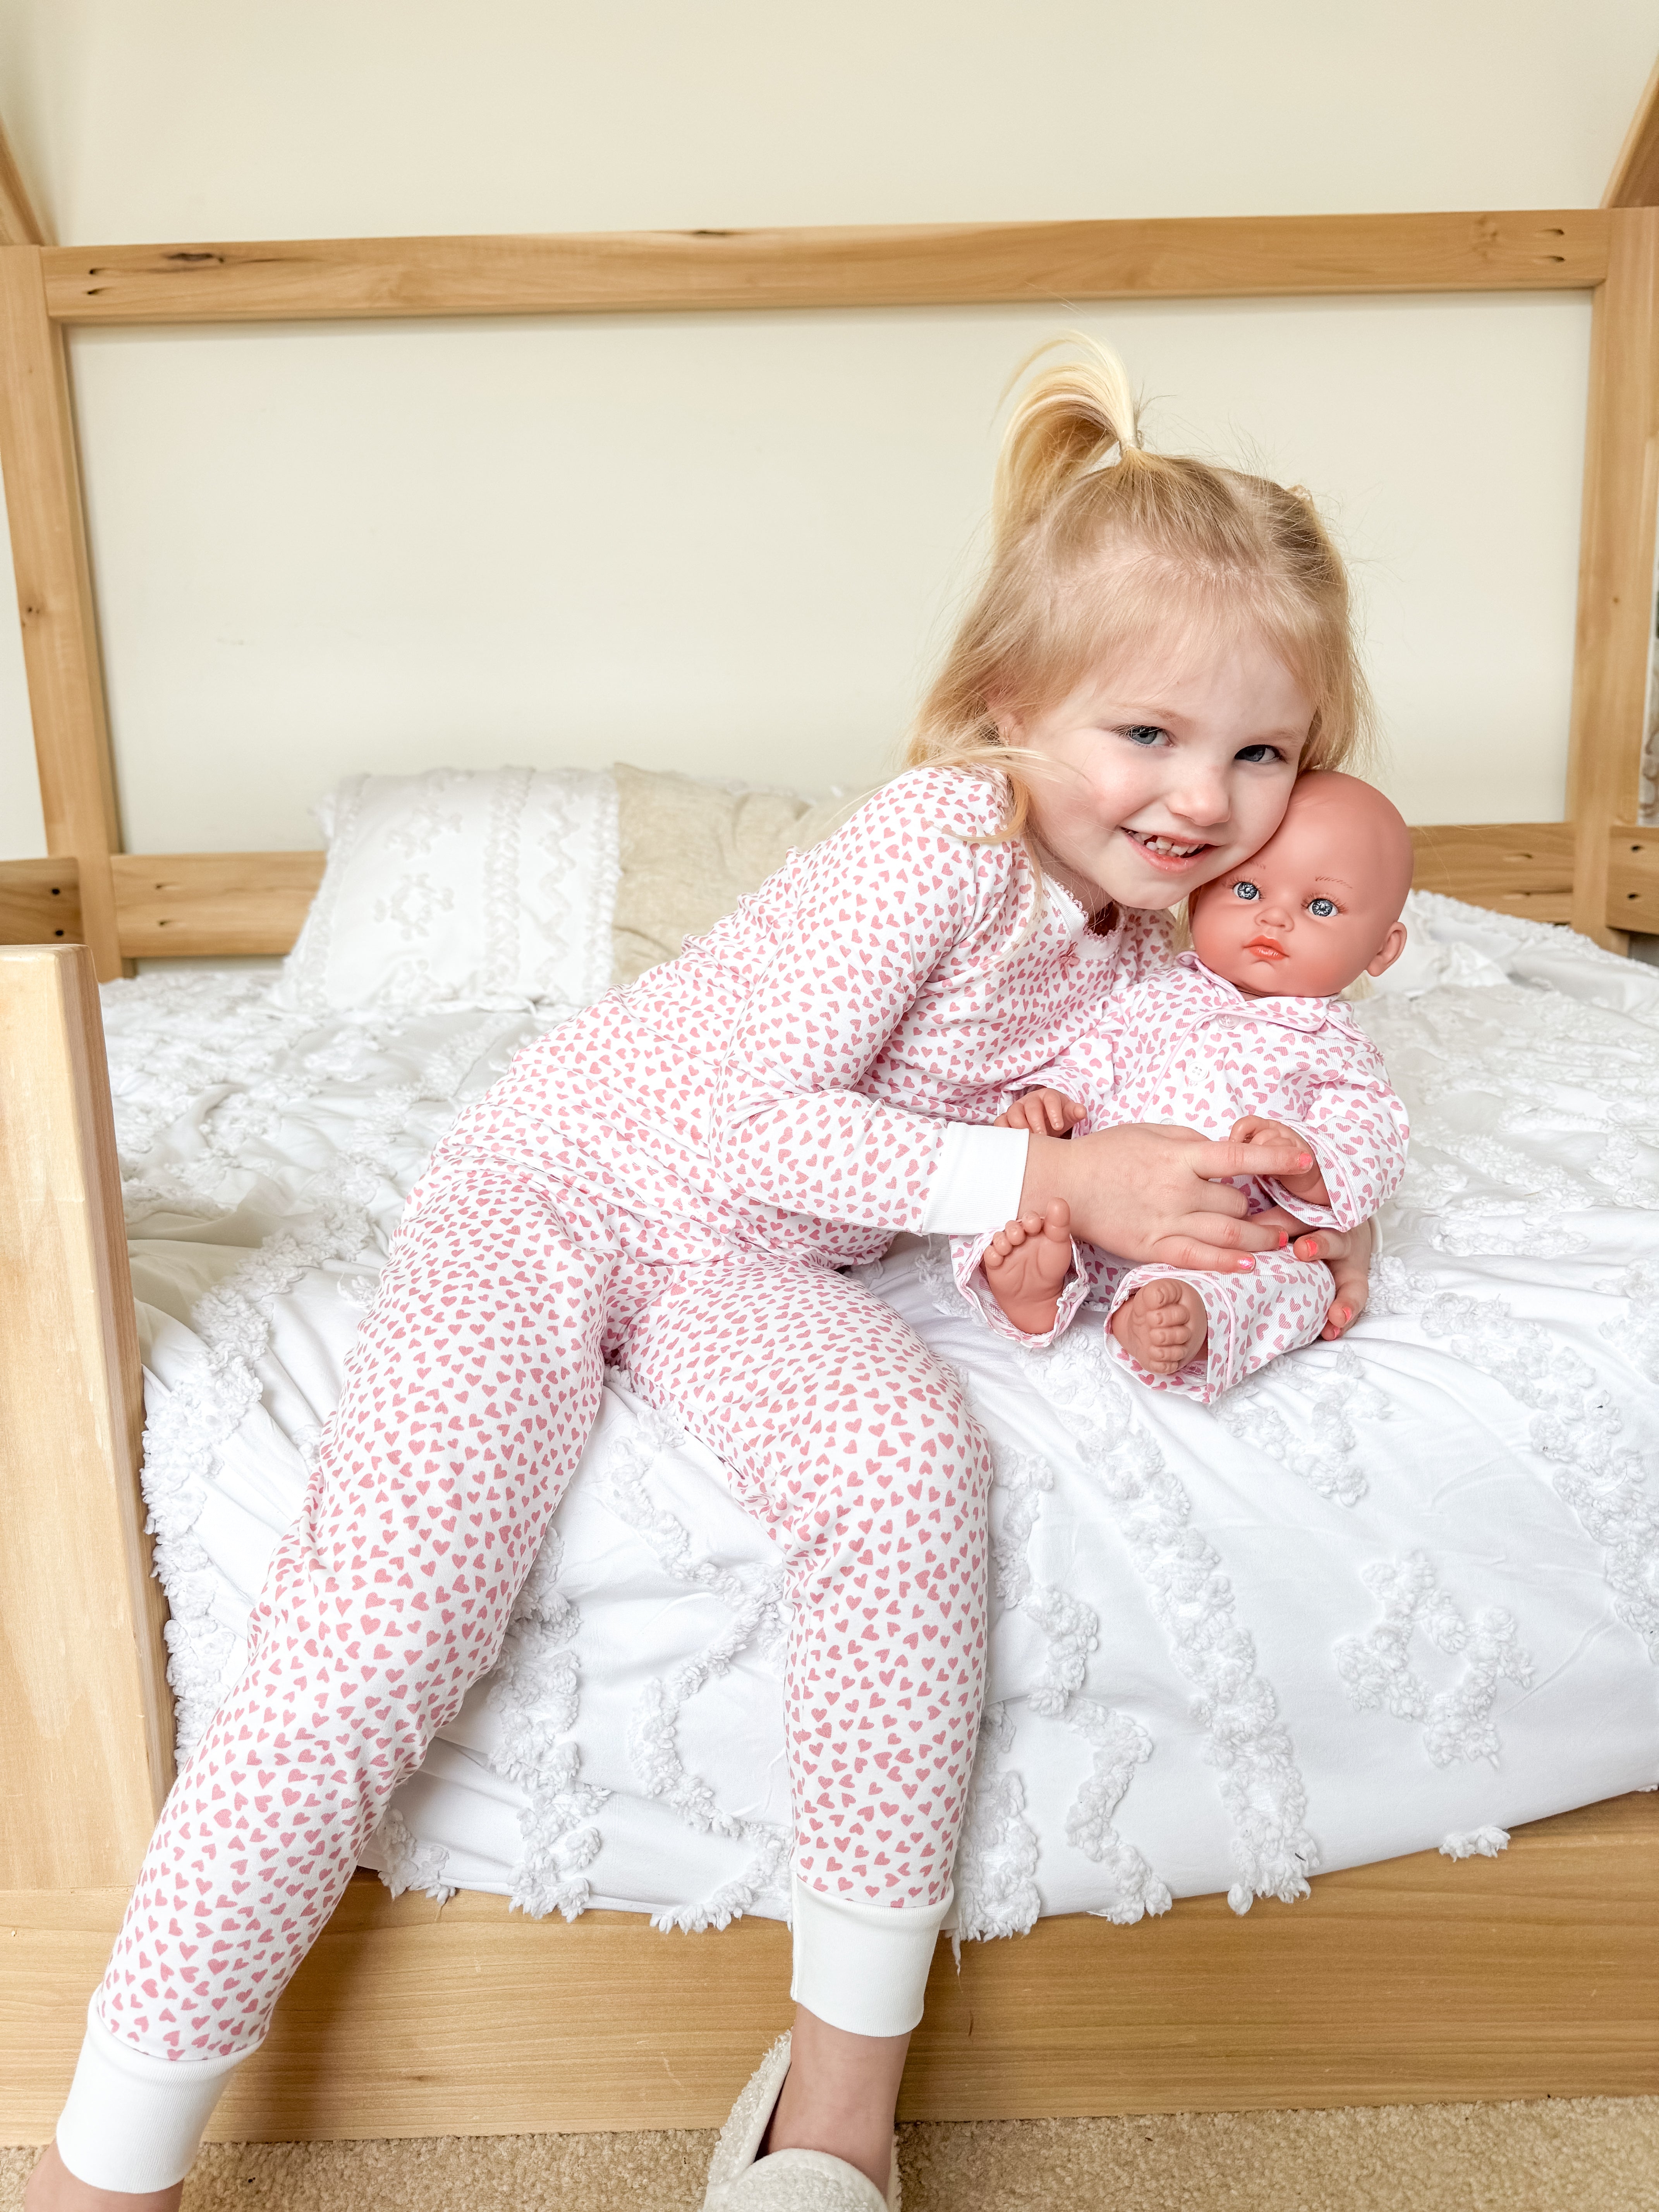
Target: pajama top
(1186, 1047)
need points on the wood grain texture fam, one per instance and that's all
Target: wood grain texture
(1228, 256)
(19, 223)
(1635, 179)
(1535, 1974)
(54, 597)
(212, 904)
(39, 903)
(1517, 867)
(174, 903)
(1633, 880)
(1615, 561)
(86, 1722)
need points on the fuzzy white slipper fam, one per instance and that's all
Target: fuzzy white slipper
(789, 2180)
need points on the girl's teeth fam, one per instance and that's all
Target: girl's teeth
(1163, 846)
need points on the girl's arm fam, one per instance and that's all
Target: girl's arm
(875, 911)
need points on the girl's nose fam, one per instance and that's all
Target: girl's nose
(1201, 800)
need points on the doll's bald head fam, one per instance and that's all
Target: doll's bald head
(1319, 905)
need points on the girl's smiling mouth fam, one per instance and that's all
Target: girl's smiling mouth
(1168, 852)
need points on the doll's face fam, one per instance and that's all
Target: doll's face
(1319, 905)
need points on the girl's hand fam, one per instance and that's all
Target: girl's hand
(1346, 1252)
(1045, 1113)
(1145, 1192)
(1253, 1129)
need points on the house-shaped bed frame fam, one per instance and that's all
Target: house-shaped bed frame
(1535, 1974)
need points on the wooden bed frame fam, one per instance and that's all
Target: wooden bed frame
(1535, 1974)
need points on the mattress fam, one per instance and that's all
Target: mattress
(1392, 1594)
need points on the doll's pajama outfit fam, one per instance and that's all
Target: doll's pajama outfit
(1187, 1048)
(669, 1184)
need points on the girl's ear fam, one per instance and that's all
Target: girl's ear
(1393, 945)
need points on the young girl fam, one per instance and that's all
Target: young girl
(673, 1183)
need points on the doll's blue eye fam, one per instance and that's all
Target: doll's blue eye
(1323, 908)
(1246, 892)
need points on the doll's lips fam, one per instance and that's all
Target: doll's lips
(1266, 948)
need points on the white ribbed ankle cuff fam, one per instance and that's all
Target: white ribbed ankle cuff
(863, 1967)
(132, 2122)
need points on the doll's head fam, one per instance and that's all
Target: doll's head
(1319, 905)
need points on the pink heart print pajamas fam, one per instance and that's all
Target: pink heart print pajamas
(1186, 1047)
(670, 1183)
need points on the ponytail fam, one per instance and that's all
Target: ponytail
(1099, 546)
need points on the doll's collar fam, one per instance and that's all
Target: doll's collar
(1286, 1012)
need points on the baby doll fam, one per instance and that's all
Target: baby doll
(1245, 1036)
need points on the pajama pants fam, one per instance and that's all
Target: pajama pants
(469, 1396)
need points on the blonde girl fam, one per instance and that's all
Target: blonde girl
(677, 1183)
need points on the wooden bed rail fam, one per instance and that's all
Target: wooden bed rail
(219, 904)
(86, 1720)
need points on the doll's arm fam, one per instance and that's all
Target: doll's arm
(1357, 1127)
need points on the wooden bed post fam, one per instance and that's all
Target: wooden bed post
(86, 1720)
(1615, 564)
(54, 598)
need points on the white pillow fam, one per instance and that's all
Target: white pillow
(462, 887)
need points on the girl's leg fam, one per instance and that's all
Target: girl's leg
(855, 1445)
(469, 1395)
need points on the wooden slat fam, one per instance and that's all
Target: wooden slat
(1633, 880)
(86, 1722)
(19, 224)
(173, 903)
(39, 903)
(54, 597)
(1635, 179)
(1536, 1974)
(1517, 867)
(1615, 560)
(1227, 257)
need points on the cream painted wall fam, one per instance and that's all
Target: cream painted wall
(731, 544)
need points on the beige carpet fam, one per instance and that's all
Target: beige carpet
(1583, 2155)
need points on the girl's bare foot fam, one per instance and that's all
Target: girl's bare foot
(1026, 1264)
(52, 2188)
(1163, 1326)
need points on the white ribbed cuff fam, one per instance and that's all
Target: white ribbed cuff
(980, 1175)
(132, 2122)
(862, 1968)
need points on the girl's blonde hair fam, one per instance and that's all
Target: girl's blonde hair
(1091, 555)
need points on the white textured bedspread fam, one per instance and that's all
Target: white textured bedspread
(1397, 1593)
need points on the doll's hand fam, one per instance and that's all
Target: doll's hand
(1346, 1252)
(1046, 1113)
(1253, 1129)
(1026, 1264)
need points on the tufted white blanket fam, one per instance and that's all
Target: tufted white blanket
(1393, 1595)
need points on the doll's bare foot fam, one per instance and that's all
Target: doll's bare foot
(52, 2188)
(1163, 1326)
(1026, 1265)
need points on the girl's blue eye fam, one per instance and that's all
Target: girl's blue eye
(1257, 753)
(1246, 892)
(1143, 734)
(1323, 908)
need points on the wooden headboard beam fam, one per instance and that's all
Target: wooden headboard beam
(941, 264)
(220, 904)
(1635, 179)
(1615, 560)
(48, 519)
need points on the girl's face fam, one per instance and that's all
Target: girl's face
(1165, 771)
